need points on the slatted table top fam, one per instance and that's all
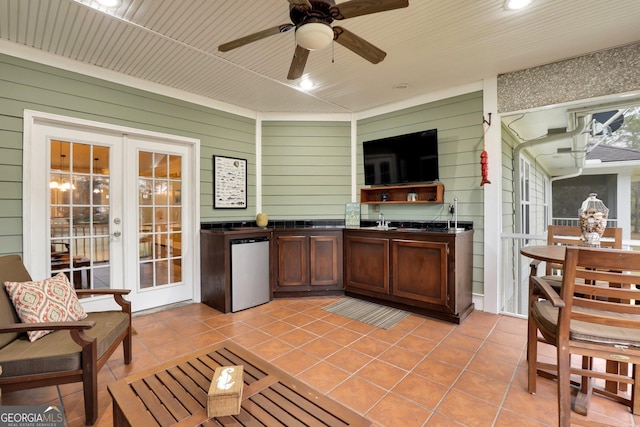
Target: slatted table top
(175, 393)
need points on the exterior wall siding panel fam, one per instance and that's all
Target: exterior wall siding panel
(27, 85)
(460, 142)
(306, 169)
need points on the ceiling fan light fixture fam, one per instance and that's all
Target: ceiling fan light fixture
(314, 35)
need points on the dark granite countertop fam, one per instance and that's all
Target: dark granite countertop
(400, 226)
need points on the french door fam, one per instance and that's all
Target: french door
(112, 208)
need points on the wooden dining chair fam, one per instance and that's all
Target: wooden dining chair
(566, 235)
(595, 316)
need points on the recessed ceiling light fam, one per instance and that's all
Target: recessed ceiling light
(102, 5)
(516, 4)
(109, 3)
(306, 84)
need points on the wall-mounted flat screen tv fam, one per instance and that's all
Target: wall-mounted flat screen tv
(410, 158)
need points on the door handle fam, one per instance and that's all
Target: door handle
(117, 234)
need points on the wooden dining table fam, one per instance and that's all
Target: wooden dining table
(555, 254)
(547, 253)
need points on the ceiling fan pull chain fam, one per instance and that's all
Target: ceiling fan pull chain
(333, 57)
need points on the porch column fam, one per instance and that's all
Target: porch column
(492, 198)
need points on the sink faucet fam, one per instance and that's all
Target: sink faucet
(382, 223)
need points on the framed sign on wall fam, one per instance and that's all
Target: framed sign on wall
(229, 183)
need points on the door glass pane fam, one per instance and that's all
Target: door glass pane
(160, 162)
(160, 219)
(79, 209)
(145, 161)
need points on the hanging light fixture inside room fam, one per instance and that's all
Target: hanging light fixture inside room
(314, 35)
(54, 184)
(64, 184)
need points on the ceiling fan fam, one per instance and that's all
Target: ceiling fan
(312, 21)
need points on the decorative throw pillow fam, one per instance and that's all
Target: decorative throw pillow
(50, 300)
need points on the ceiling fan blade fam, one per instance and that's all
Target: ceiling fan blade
(354, 8)
(225, 47)
(358, 45)
(297, 64)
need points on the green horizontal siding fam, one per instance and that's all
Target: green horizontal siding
(306, 169)
(306, 166)
(32, 86)
(283, 183)
(460, 139)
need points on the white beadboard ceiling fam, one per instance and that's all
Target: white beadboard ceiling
(431, 46)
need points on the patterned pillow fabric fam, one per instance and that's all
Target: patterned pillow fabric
(50, 300)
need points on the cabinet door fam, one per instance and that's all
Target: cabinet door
(293, 260)
(367, 261)
(420, 271)
(324, 256)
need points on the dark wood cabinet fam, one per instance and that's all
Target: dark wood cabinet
(325, 255)
(424, 272)
(307, 261)
(420, 270)
(293, 260)
(215, 265)
(367, 265)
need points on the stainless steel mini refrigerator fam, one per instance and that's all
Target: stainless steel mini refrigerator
(249, 272)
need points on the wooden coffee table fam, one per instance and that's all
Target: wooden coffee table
(175, 393)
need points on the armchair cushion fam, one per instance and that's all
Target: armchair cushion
(49, 300)
(57, 351)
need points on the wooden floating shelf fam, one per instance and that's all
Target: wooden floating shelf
(397, 194)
